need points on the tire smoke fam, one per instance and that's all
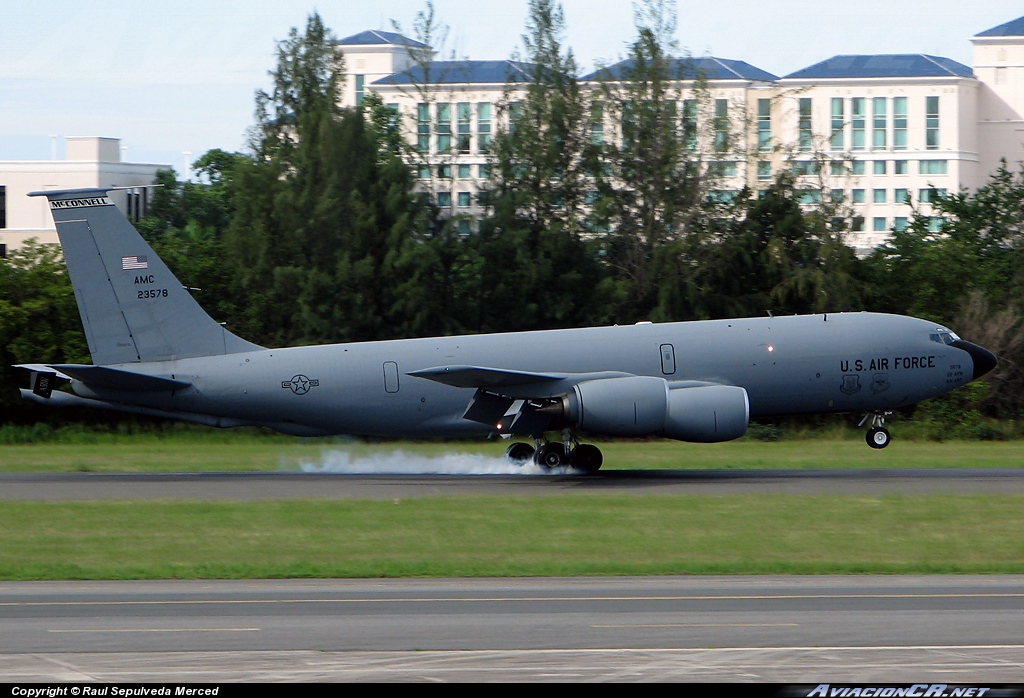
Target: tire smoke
(405, 463)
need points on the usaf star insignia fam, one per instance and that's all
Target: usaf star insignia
(300, 384)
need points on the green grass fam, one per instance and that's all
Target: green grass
(575, 534)
(176, 453)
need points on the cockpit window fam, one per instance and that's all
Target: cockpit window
(943, 336)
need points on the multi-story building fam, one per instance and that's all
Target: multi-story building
(90, 162)
(874, 137)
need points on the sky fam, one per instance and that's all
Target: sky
(176, 78)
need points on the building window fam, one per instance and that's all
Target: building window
(838, 123)
(878, 224)
(483, 127)
(901, 196)
(930, 195)
(805, 167)
(935, 224)
(444, 128)
(423, 128)
(859, 121)
(3, 207)
(858, 196)
(879, 196)
(465, 226)
(764, 124)
(484, 171)
(444, 199)
(359, 89)
(837, 168)
(597, 123)
(806, 136)
(721, 124)
(722, 169)
(857, 224)
(931, 124)
(515, 113)
(808, 197)
(900, 167)
(900, 224)
(689, 122)
(899, 123)
(424, 171)
(465, 172)
(837, 196)
(465, 114)
(3, 251)
(879, 125)
(858, 167)
(465, 199)
(723, 196)
(444, 171)
(933, 167)
(764, 170)
(879, 167)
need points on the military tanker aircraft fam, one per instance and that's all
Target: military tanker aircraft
(156, 352)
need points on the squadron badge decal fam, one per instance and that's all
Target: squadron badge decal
(300, 384)
(851, 384)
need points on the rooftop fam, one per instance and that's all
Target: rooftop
(459, 72)
(707, 67)
(375, 36)
(1012, 28)
(885, 66)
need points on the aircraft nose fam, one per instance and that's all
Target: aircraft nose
(984, 360)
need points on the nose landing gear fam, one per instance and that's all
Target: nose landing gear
(878, 436)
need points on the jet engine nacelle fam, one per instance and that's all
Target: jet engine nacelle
(647, 406)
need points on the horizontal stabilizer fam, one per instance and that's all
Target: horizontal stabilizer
(480, 377)
(117, 379)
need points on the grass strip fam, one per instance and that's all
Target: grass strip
(181, 454)
(575, 534)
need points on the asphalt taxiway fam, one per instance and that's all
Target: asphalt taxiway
(782, 629)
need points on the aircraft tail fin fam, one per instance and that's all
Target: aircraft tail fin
(132, 306)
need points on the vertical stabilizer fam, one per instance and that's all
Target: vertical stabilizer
(132, 306)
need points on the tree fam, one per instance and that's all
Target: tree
(39, 321)
(650, 185)
(322, 209)
(540, 272)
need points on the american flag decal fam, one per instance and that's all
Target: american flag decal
(139, 262)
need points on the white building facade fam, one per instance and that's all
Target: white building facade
(877, 137)
(90, 162)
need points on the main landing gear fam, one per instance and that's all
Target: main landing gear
(878, 436)
(551, 454)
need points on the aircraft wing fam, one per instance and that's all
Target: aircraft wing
(484, 378)
(513, 402)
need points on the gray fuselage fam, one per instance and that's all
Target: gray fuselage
(848, 362)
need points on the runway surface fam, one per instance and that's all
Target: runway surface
(784, 629)
(282, 485)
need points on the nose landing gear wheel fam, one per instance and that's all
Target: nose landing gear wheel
(550, 455)
(878, 437)
(519, 452)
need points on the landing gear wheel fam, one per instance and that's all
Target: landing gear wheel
(878, 437)
(586, 458)
(550, 455)
(519, 452)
